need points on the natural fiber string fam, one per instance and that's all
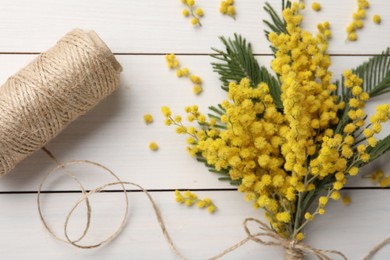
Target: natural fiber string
(295, 250)
(70, 174)
(377, 248)
(85, 196)
(57, 87)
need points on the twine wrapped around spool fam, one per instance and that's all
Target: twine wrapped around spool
(61, 84)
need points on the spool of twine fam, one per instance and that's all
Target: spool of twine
(57, 87)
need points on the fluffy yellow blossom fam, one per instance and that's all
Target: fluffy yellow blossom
(353, 171)
(300, 236)
(195, 79)
(153, 146)
(316, 6)
(338, 185)
(172, 61)
(227, 7)
(211, 209)
(194, 21)
(377, 19)
(148, 118)
(309, 216)
(358, 17)
(283, 217)
(372, 141)
(335, 195)
(185, 13)
(197, 89)
(189, 199)
(166, 111)
(199, 12)
(352, 36)
(231, 11)
(191, 11)
(346, 200)
(323, 201)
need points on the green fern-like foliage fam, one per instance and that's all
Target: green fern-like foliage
(375, 74)
(277, 24)
(238, 62)
(382, 147)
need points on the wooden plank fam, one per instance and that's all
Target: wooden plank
(196, 233)
(158, 27)
(115, 135)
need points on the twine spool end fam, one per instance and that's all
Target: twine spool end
(102, 47)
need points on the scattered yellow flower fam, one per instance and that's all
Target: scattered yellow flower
(352, 36)
(166, 111)
(316, 6)
(191, 11)
(199, 12)
(173, 63)
(189, 199)
(346, 200)
(194, 21)
(358, 17)
(377, 19)
(185, 13)
(197, 89)
(153, 146)
(227, 8)
(148, 118)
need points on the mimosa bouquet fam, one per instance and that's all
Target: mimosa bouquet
(290, 139)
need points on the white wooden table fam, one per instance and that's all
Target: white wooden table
(114, 134)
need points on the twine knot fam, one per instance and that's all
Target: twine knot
(294, 250)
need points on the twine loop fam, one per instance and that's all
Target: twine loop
(376, 248)
(85, 199)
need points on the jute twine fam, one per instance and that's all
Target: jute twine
(293, 249)
(376, 248)
(61, 84)
(85, 198)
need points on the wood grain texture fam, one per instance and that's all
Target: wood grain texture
(154, 26)
(199, 235)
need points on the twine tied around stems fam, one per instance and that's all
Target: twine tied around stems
(294, 250)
